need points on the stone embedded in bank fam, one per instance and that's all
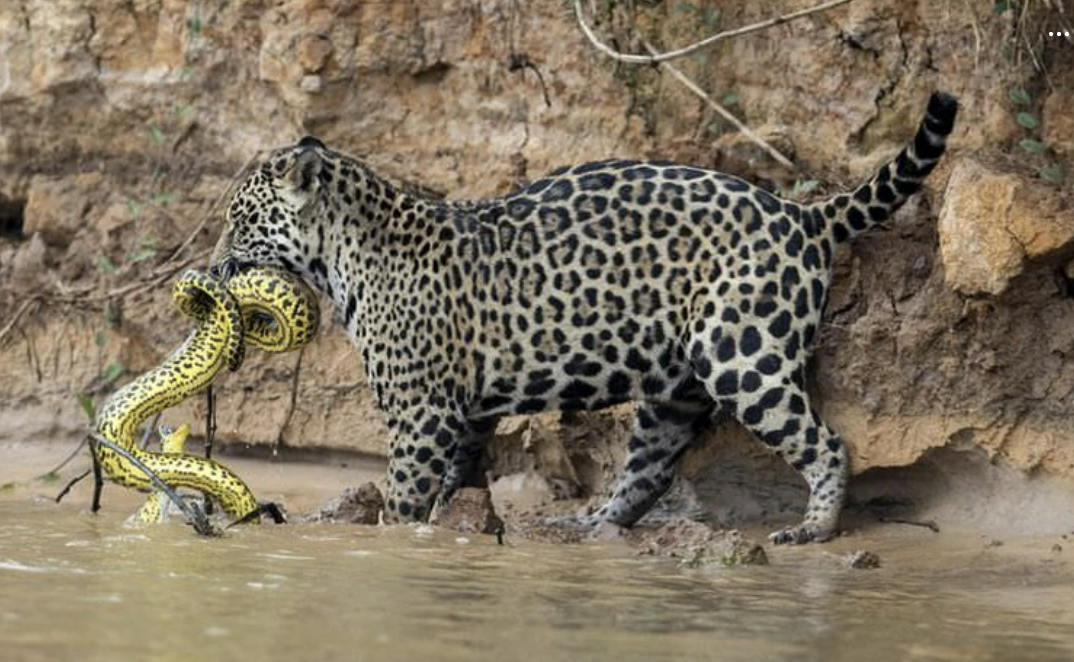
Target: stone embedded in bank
(993, 225)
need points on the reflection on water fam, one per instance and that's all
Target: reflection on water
(74, 586)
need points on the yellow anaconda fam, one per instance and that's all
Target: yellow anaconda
(155, 508)
(268, 308)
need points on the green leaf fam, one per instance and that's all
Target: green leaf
(730, 99)
(164, 198)
(105, 265)
(711, 17)
(1033, 146)
(1001, 7)
(112, 372)
(686, 7)
(99, 338)
(50, 477)
(134, 208)
(141, 255)
(112, 314)
(7, 487)
(194, 24)
(87, 406)
(156, 135)
(184, 111)
(1020, 96)
(1053, 173)
(1027, 120)
(802, 188)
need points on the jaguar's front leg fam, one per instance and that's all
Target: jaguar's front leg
(420, 462)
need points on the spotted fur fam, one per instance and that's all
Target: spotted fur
(684, 289)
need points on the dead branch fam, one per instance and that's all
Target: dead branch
(656, 58)
(23, 307)
(723, 112)
(663, 60)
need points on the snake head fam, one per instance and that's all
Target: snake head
(270, 217)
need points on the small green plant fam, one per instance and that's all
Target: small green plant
(146, 250)
(156, 135)
(113, 371)
(1051, 171)
(710, 16)
(801, 189)
(106, 266)
(716, 126)
(88, 406)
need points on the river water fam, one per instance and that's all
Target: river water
(78, 586)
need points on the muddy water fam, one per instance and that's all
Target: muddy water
(76, 586)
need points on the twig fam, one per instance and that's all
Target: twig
(210, 421)
(98, 475)
(928, 524)
(67, 459)
(71, 483)
(158, 276)
(210, 437)
(148, 432)
(723, 112)
(292, 405)
(17, 316)
(682, 52)
(520, 62)
(194, 514)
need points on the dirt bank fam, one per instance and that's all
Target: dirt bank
(948, 335)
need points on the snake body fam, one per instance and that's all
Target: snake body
(156, 506)
(267, 308)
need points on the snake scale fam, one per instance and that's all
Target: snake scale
(266, 308)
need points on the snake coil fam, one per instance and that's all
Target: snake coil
(265, 307)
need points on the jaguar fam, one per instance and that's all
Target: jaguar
(691, 292)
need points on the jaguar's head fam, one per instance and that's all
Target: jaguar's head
(272, 216)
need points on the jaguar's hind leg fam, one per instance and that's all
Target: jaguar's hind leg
(765, 393)
(662, 431)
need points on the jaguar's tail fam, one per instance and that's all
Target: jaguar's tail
(850, 214)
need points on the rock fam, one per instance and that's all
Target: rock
(55, 206)
(698, 545)
(1057, 131)
(993, 224)
(361, 505)
(861, 560)
(523, 490)
(470, 511)
(28, 264)
(313, 53)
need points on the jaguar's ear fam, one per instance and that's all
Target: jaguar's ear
(306, 167)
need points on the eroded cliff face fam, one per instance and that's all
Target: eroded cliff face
(122, 123)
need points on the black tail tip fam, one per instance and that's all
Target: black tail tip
(943, 108)
(311, 141)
